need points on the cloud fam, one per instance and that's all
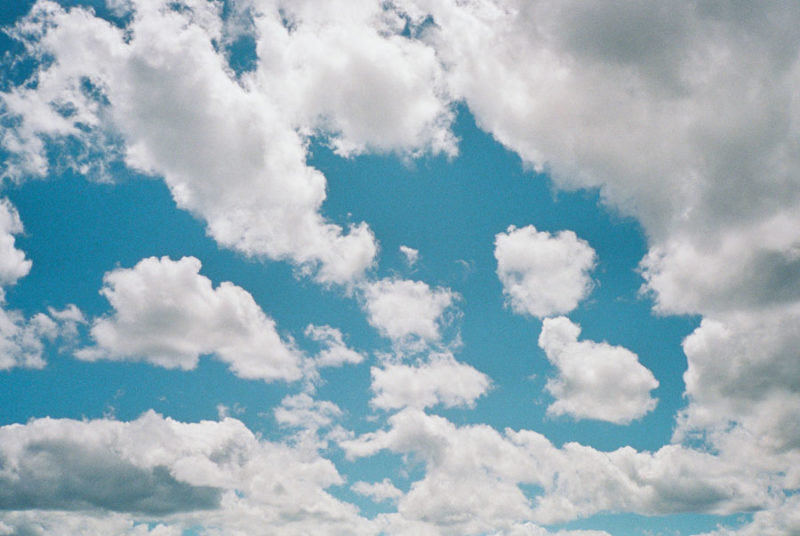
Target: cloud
(743, 373)
(440, 379)
(473, 473)
(411, 255)
(217, 475)
(167, 314)
(227, 150)
(594, 380)
(784, 519)
(402, 309)
(543, 274)
(62, 475)
(13, 264)
(378, 491)
(335, 352)
(22, 339)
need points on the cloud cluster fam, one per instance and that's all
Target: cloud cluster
(543, 274)
(594, 380)
(215, 474)
(685, 118)
(473, 476)
(166, 313)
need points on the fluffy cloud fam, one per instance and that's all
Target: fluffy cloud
(335, 352)
(440, 379)
(543, 274)
(218, 475)
(780, 521)
(743, 370)
(166, 313)
(226, 149)
(594, 380)
(401, 309)
(473, 475)
(378, 491)
(13, 264)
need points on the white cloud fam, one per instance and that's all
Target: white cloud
(166, 313)
(743, 370)
(302, 411)
(543, 274)
(335, 352)
(226, 150)
(439, 379)
(239, 482)
(402, 309)
(378, 491)
(473, 473)
(783, 520)
(13, 264)
(594, 380)
(346, 68)
(411, 255)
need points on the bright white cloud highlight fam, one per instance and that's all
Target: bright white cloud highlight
(166, 313)
(594, 380)
(438, 380)
(401, 309)
(543, 274)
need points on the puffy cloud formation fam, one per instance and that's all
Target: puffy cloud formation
(215, 474)
(228, 149)
(594, 380)
(543, 274)
(779, 521)
(755, 387)
(13, 264)
(473, 476)
(439, 379)
(378, 491)
(335, 352)
(402, 309)
(166, 313)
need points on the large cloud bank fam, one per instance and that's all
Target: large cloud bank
(684, 117)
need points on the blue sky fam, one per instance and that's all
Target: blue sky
(399, 268)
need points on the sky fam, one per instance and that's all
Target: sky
(406, 267)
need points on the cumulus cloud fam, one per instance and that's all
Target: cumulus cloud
(784, 519)
(229, 152)
(594, 380)
(473, 474)
(13, 264)
(335, 352)
(543, 274)
(402, 309)
(439, 379)
(743, 370)
(216, 474)
(166, 313)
